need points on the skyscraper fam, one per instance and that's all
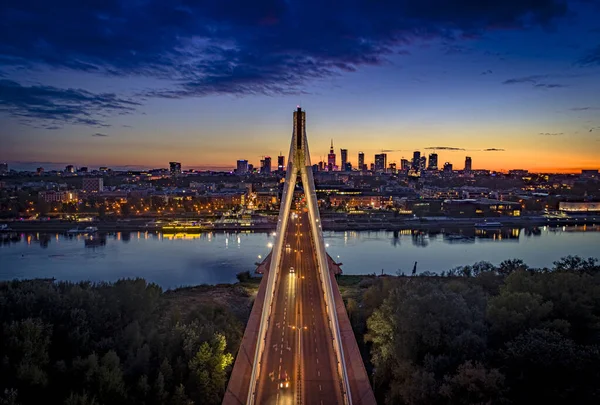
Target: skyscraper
(331, 159)
(281, 162)
(416, 161)
(448, 167)
(422, 163)
(175, 168)
(3, 168)
(392, 169)
(468, 164)
(265, 165)
(344, 157)
(361, 161)
(433, 161)
(242, 166)
(380, 162)
(404, 165)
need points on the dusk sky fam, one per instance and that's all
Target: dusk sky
(513, 83)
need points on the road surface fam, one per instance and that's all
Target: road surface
(299, 349)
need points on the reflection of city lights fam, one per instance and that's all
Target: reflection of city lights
(269, 245)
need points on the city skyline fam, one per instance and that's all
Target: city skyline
(512, 85)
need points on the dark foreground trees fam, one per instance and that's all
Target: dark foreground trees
(506, 335)
(121, 343)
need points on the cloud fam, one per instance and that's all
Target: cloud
(487, 72)
(231, 47)
(493, 150)
(584, 108)
(550, 85)
(551, 133)
(99, 135)
(444, 148)
(592, 57)
(49, 107)
(526, 79)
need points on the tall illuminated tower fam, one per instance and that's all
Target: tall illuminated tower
(331, 159)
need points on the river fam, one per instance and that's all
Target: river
(211, 258)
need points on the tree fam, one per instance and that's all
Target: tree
(473, 383)
(509, 266)
(510, 313)
(208, 371)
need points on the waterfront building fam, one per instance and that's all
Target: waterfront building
(51, 196)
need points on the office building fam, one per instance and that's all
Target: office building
(175, 168)
(380, 162)
(468, 164)
(361, 161)
(39, 171)
(344, 158)
(242, 166)
(83, 169)
(250, 168)
(321, 166)
(433, 161)
(372, 167)
(404, 165)
(3, 168)
(331, 166)
(69, 169)
(280, 163)
(265, 165)
(51, 196)
(422, 163)
(447, 167)
(92, 185)
(416, 161)
(392, 168)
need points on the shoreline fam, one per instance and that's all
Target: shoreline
(328, 225)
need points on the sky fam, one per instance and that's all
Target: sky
(513, 83)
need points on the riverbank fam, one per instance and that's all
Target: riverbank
(329, 224)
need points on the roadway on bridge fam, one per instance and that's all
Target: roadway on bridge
(298, 364)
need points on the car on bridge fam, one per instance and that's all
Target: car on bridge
(292, 270)
(284, 381)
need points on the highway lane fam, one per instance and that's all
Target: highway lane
(299, 347)
(281, 356)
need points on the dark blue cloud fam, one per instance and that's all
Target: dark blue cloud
(49, 107)
(235, 46)
(591, 58)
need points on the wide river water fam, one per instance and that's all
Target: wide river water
(211, 258)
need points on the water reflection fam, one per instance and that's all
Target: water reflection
(181, 258)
